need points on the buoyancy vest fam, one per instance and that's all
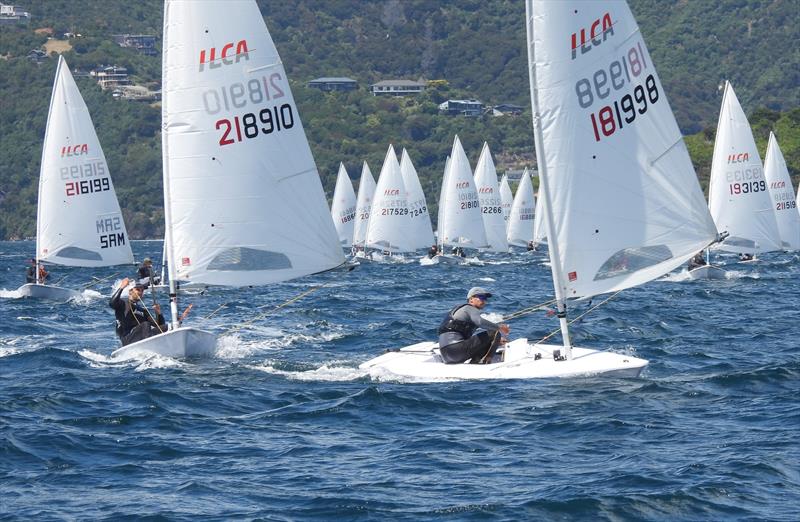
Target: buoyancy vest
(451, 324)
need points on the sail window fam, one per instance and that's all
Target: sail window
(249, 259)
(629, 260)
(74, 252)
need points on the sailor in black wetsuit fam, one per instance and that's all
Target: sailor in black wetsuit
(456, 340)
(145, 275)
(697, 261)
(134, 322)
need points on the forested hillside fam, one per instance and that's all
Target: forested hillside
(476, 46)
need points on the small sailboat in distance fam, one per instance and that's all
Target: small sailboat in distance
(243, 202)
(783, 197)
(521, 220)
(79, 222)
(343, 207)
(491, 201)
(601, 238)
(366, 190)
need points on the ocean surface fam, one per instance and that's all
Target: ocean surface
(282, 425)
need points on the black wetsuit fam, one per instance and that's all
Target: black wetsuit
(696, 262)
(457, 343)
(30, 274)
(133, 322)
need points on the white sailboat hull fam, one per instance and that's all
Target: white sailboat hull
(707, 272)
(422, 361)
(180, 343)
(55, 293)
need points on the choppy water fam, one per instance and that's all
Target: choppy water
(282, 425)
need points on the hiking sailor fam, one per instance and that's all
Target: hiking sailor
(697, 261)
(456, 340)
(134, 321)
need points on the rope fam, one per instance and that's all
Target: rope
(551, 334)
(526, 311)
(97, 281)
(275, 309)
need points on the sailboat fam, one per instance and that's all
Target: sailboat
(366, 190)
(79, 222)
(506, 197)
(491, 201)
(343, 207)
(738, 195)
(460, 222)
(243, 202)
(784, 200)
(625, 206)
(521, 222)
(421, 231)
(390, 221)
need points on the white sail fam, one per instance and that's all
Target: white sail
(366, 189)
(738, 196)
(421, 231)
(389, 219)
(243, 200)
(506, 197)
(463, 224)
(784, 200)
(520, 222)
(440, 209)
(539, 224)
(491, 201)
(623, 203)
(343, 207)
(79, 222)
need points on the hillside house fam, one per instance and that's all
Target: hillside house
(507, 109)
(10, 14)
(334, 84)
(462, 107)
(144, 43)
(397, 87)
(111, 77)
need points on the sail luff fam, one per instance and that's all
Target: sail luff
(541, 162)
(168, 233)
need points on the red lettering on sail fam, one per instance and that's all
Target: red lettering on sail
(391, 192)
(742, 157)
(74, 150)
(227, 55)
(597, 33)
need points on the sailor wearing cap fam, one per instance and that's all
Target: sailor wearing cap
(134, 321)
(457, 343)
(145, 275)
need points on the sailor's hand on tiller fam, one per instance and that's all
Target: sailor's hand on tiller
(504, 329)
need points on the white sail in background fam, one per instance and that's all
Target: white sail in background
(421, 231)
(623, 203)
(343, 207)
(366, 189)
(439, 214)
(738, 196)
(784, 200)
(506, 197)
(539, 224)
(389, 220)
(243, 200)
(463, 224)
(491, 201)
(520, 222)
(79, 222)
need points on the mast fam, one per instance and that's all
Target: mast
(544, 186)
(168, 250)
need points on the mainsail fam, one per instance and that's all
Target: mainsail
(461, 212)
(738, 196)
(389, 220)
(243, 200)
(506, 197)
(343, 207)
(783, 197)
(623, 203)
(79, 222)
(520, 221)
(491, 201)
(420, 230)
(366, 189)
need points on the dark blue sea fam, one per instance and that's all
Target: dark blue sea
(282, 425)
